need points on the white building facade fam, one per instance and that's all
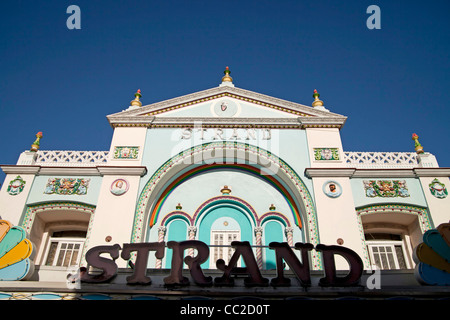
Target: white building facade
(216, 166)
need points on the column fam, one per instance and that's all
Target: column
(289, 231)
(258, 234)
(161, 235)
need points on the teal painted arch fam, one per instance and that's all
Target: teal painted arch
(269, 216)
(176, 215)
(223, 201)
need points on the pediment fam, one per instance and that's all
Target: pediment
(225, 105)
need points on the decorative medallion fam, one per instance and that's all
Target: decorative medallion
(119, 187)
(15, 253)
(126, 152)
(225, 108)
(16, 186)
(332, 189)
(438, 189)
(326, 153)
(385, 188)
(67, 186)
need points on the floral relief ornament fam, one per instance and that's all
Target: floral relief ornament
(385, 188)
(16, 186)
(67, 186)
(438, 189)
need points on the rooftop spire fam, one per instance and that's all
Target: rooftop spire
(317, 102)
(136, 102)
(36, 143)
(226, 79)
(418, 146)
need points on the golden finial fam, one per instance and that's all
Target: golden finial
(225, 190)
(36, 143)
(317, 102)
(136, 102)
(226, 77)
(418, 146)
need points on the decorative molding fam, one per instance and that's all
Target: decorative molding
(76, 171)
(385, 188)
(68, 171)
(119, 187)
(67, 186)
(332, 189)
(329, 172)
(225, 91)
(306, 115)
(16, 186)
(125, 152)
(69, 158)
(122, 170)
(20, 169)
(438, 189)
(380, 159)
(326, 154)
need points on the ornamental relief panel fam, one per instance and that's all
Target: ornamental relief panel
(385, 188)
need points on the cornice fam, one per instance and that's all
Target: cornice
(20, 169)
(121, 170)
(329, 172)
(377, 173)
(75, 171)
(216, 122)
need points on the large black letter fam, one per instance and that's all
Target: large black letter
(194, 263)
(140, 267)
(108, 266)
(354, 261)
(241, 248)
(301, 270)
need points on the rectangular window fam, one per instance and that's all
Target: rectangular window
(221, 245)
(387, 255)
(64, 252)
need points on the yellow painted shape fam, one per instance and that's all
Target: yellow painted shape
(20, 252)
(428, 256)
(4, 228)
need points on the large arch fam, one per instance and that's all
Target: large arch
(227, 155)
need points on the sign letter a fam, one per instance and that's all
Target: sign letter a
(74, 21)
(374, 21)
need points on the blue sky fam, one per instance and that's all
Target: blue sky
(389, 82)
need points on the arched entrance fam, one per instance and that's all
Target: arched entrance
(270, 169)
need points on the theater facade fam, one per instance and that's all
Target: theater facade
(254, 189)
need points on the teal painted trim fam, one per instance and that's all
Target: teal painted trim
(224, 210)
(177, 231)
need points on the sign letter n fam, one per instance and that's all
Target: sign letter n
(74, 21)
(374, 21)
